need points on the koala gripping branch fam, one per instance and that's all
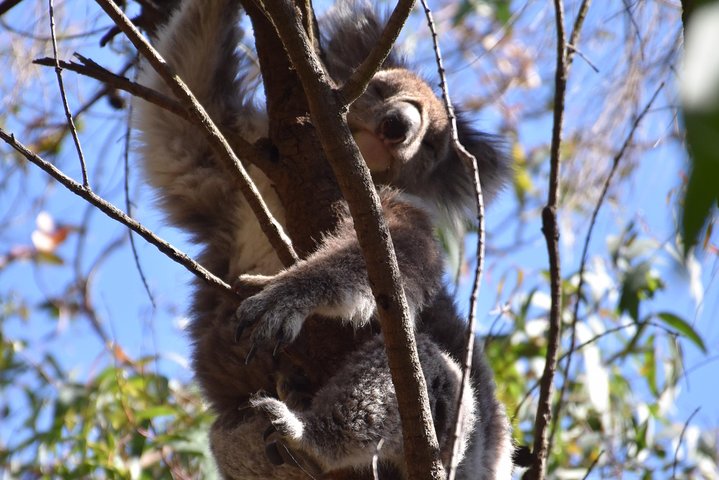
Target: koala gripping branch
(327, 106)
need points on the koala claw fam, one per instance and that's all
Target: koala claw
(272, 452)
(238, 331)
(280, 344)
(250, 354)
(274, 320)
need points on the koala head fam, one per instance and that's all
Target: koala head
(400, 124)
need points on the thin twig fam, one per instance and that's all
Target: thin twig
(357, 83)
(551, 234)
(128, 206)
(63, 96)
(91, 69)
(594, 464)
(582, 266)
(271, 228)
(471, 163)
(571, 48)
(679, 442)
(113, 212)
(573, 43)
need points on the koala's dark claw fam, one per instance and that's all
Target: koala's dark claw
(250, 355)
(239, 330)
(280, 344)
(268, 432)
(272, 452)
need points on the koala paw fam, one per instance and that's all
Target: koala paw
(284, 422)
(284, 435)
(275, 314)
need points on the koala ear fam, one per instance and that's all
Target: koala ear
(495, 169)
(350, 30)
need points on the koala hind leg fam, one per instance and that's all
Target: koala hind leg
(356, 411)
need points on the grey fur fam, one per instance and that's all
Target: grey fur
(403, 133)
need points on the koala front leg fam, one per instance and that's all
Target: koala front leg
(333, 281)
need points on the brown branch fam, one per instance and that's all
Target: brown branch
(113, 212)
(7, 5)
(357, 83)
(271, 228)
(573, 42)
(326, 105)
(585, 249)
(471, 162)
(63, 96)
(551, 234)
(91, 69)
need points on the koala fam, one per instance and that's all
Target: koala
(268, 426)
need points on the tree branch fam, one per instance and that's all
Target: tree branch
(274, 231)
(63, 96)
(471, 162)
(90, 68)
(551, 234)
(7, 5)
(357, 83)
(326, 107)
(113, 212)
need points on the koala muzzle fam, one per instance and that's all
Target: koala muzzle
(399, 123)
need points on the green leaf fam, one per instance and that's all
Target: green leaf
(640, 283)
(154, 412)
(684, 328)
(649, 367)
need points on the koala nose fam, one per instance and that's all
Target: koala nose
(394, 127)
(399, 123)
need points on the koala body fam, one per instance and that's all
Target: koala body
(403, 134)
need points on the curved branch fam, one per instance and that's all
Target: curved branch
(585, 249)
(471, 162)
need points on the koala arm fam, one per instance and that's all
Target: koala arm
(333, 280)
